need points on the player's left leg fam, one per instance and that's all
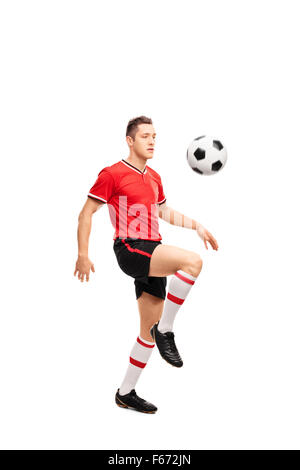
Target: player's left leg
(185, 266)
(150, 310)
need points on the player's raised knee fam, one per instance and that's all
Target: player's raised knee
(194, 265)
(197, 264)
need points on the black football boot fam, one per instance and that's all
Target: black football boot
(166, 346)
(134, 402)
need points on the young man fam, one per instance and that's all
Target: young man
(135, 198)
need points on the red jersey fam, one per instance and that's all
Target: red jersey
(133, 197)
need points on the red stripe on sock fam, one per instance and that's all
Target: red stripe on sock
(144, 344)
(185, 279)
(137, 363)
(175, 299)
(135, 250)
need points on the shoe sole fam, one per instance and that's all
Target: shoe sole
(122, 405)
(176, 367)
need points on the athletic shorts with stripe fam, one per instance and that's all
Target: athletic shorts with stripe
(134, 256)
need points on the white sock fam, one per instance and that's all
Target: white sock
(138, 359)
(179, 287)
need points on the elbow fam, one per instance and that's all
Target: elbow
(165, 214)
(162, 209)
(83, 215)
(80, 217)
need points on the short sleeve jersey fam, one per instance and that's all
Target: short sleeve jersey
(133, 197)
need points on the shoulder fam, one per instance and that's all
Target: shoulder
(154, 173)
(111, 170)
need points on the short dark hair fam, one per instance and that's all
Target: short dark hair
(132, 126)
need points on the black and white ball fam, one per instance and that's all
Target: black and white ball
(206, 155)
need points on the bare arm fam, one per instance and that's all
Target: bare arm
(173, 217)
(83, 263)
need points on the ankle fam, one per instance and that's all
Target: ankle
(163, 327)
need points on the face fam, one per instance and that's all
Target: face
(144, 142)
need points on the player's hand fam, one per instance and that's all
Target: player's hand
(207, 237)
(83, 268)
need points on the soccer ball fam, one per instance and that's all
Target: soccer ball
(206, 155)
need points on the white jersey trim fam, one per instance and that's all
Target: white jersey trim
(97, 197)
(163, 200)
(137, 171)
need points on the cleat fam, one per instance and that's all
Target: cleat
(134, 402)
(166, 346)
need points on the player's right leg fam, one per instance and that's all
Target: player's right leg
(185, 266)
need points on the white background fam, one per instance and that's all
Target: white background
(73, 74)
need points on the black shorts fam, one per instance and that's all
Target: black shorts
(133, 256)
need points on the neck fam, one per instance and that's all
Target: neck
(137, 161)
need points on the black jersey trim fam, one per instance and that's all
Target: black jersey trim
(137, 169)
(96, 198)
(159, 203)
